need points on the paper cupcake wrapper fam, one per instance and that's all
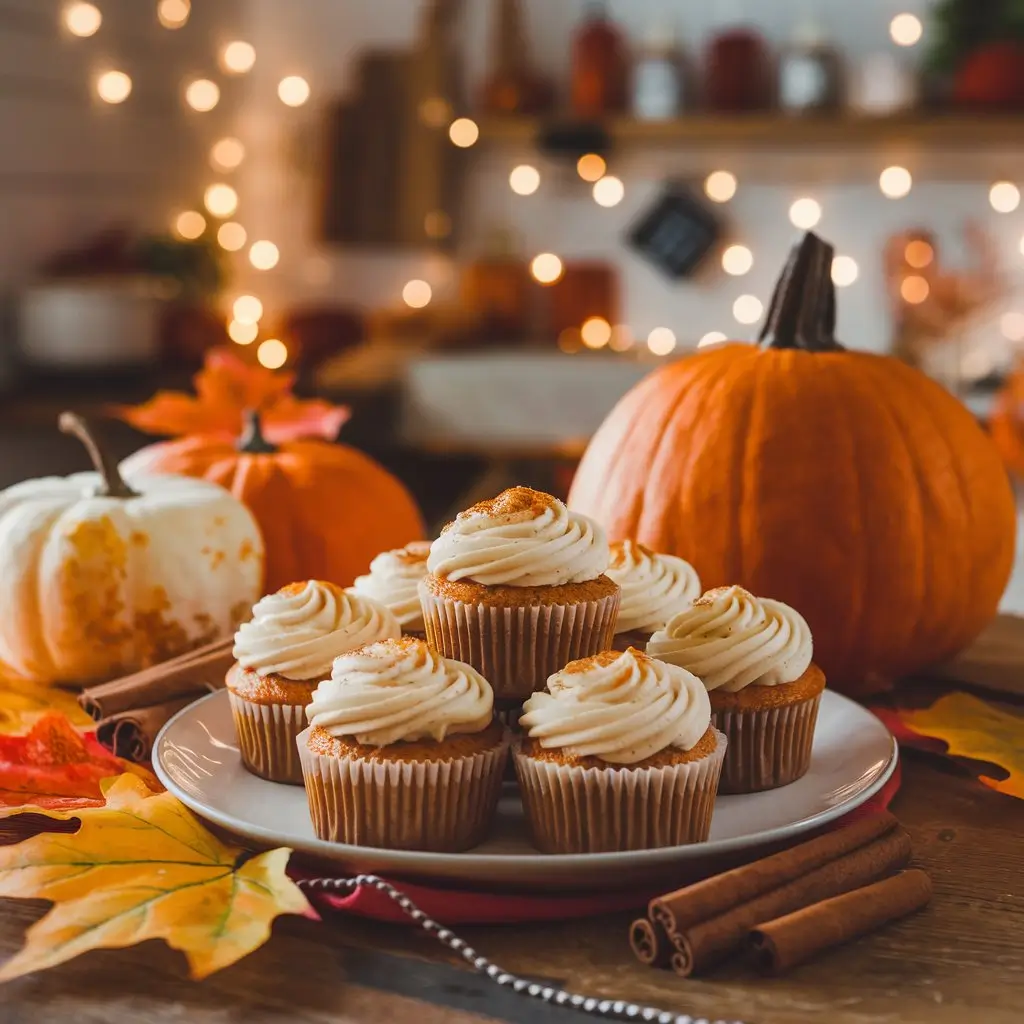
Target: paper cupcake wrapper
(768, 748)
(403, 805)
(571, 809)
(516, 649)
(266, 738)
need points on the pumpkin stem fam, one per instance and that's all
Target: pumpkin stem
(802, 313)
(112, 485)
(252, 441)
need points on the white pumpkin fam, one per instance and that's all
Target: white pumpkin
(100, 577)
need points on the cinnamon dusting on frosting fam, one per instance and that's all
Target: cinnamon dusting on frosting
(512, 502)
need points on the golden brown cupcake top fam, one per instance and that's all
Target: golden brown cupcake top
(654, 587)
(393, 580)
(521, 538)
(622, 708)
(731, 639)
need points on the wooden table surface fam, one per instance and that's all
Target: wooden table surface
(962, 959)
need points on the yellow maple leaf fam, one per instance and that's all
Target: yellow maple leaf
(972, 728)
(23, 702)
(144, 867)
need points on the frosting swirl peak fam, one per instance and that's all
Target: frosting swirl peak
(299, 631)
(621, 708)
(522, 538)
(732, 639)
(397, 690)
(654, 586)
(393, 580)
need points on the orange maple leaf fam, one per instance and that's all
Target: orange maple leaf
(975, 729)
(143, 867)
(226, 388)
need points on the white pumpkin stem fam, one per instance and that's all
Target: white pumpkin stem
(113, 485)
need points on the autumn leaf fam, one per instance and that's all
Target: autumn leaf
(55, 767)
(226, 388)
(972, 728)
(23, 702)
(143, 867)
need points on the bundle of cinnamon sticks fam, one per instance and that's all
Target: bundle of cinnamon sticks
(789, 906)
(130, 711)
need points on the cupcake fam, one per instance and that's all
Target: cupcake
(754, 656)
(402, 750)
(281, 653)
(394, 579)
(654, 587)
(517, 588)
(619, 754)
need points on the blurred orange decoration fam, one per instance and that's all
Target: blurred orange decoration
(324, 509)
(1006, 423)
(585, 290)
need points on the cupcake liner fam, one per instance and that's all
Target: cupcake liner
(516, 649)
(633, 638)
(403, 805)
(571, 809)
(266, 738)
(767, 748)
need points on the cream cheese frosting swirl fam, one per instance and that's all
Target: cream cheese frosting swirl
(621, 708)
(393, 580)
(522, 538)
(732, 639)
(400, 690)
(654, 587)
(299, 631)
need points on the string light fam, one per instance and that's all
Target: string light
(113, 86)
(190, 224)
(805, 214)
(1004, 197)
(895, 182)
(596, 332)
(272, 353)
(919, 254)
(747, 309)
(293, 91)
(591, 166)
(437, 224)
(622, 338)
(712, 338)
(1012, 326)
(463, 132)
(231, 236)
(221, 200)
(173, 13)
(661, 341)
(82, 19)
(546, 268)
(202, 95)
(569, 340)
(416, 294)
(844, 271)
(737, 260)
(238, 57)
(906, 29)
(227, 154)
(914, 289)
(720, 186)
(608, 191)
(524, 180)
(435, 111)
(243, 333)
(247, 309)
(264, 255)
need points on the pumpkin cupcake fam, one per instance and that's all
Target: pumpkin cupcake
(282, 653)
(402, 751)
(754, 656)
(394, 579)
(654, 587)
(619, 754)
(517, 588)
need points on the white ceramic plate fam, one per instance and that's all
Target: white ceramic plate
(196, 758)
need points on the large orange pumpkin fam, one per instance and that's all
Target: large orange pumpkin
(324, 509)
(847, 484)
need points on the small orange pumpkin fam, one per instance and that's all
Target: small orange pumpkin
(846, 484)
(1006, 424)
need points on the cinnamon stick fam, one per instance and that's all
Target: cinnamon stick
(677, 911)
(706, 944)
(188, 674)
(788, 941)
(130, 734)
(650, 943)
